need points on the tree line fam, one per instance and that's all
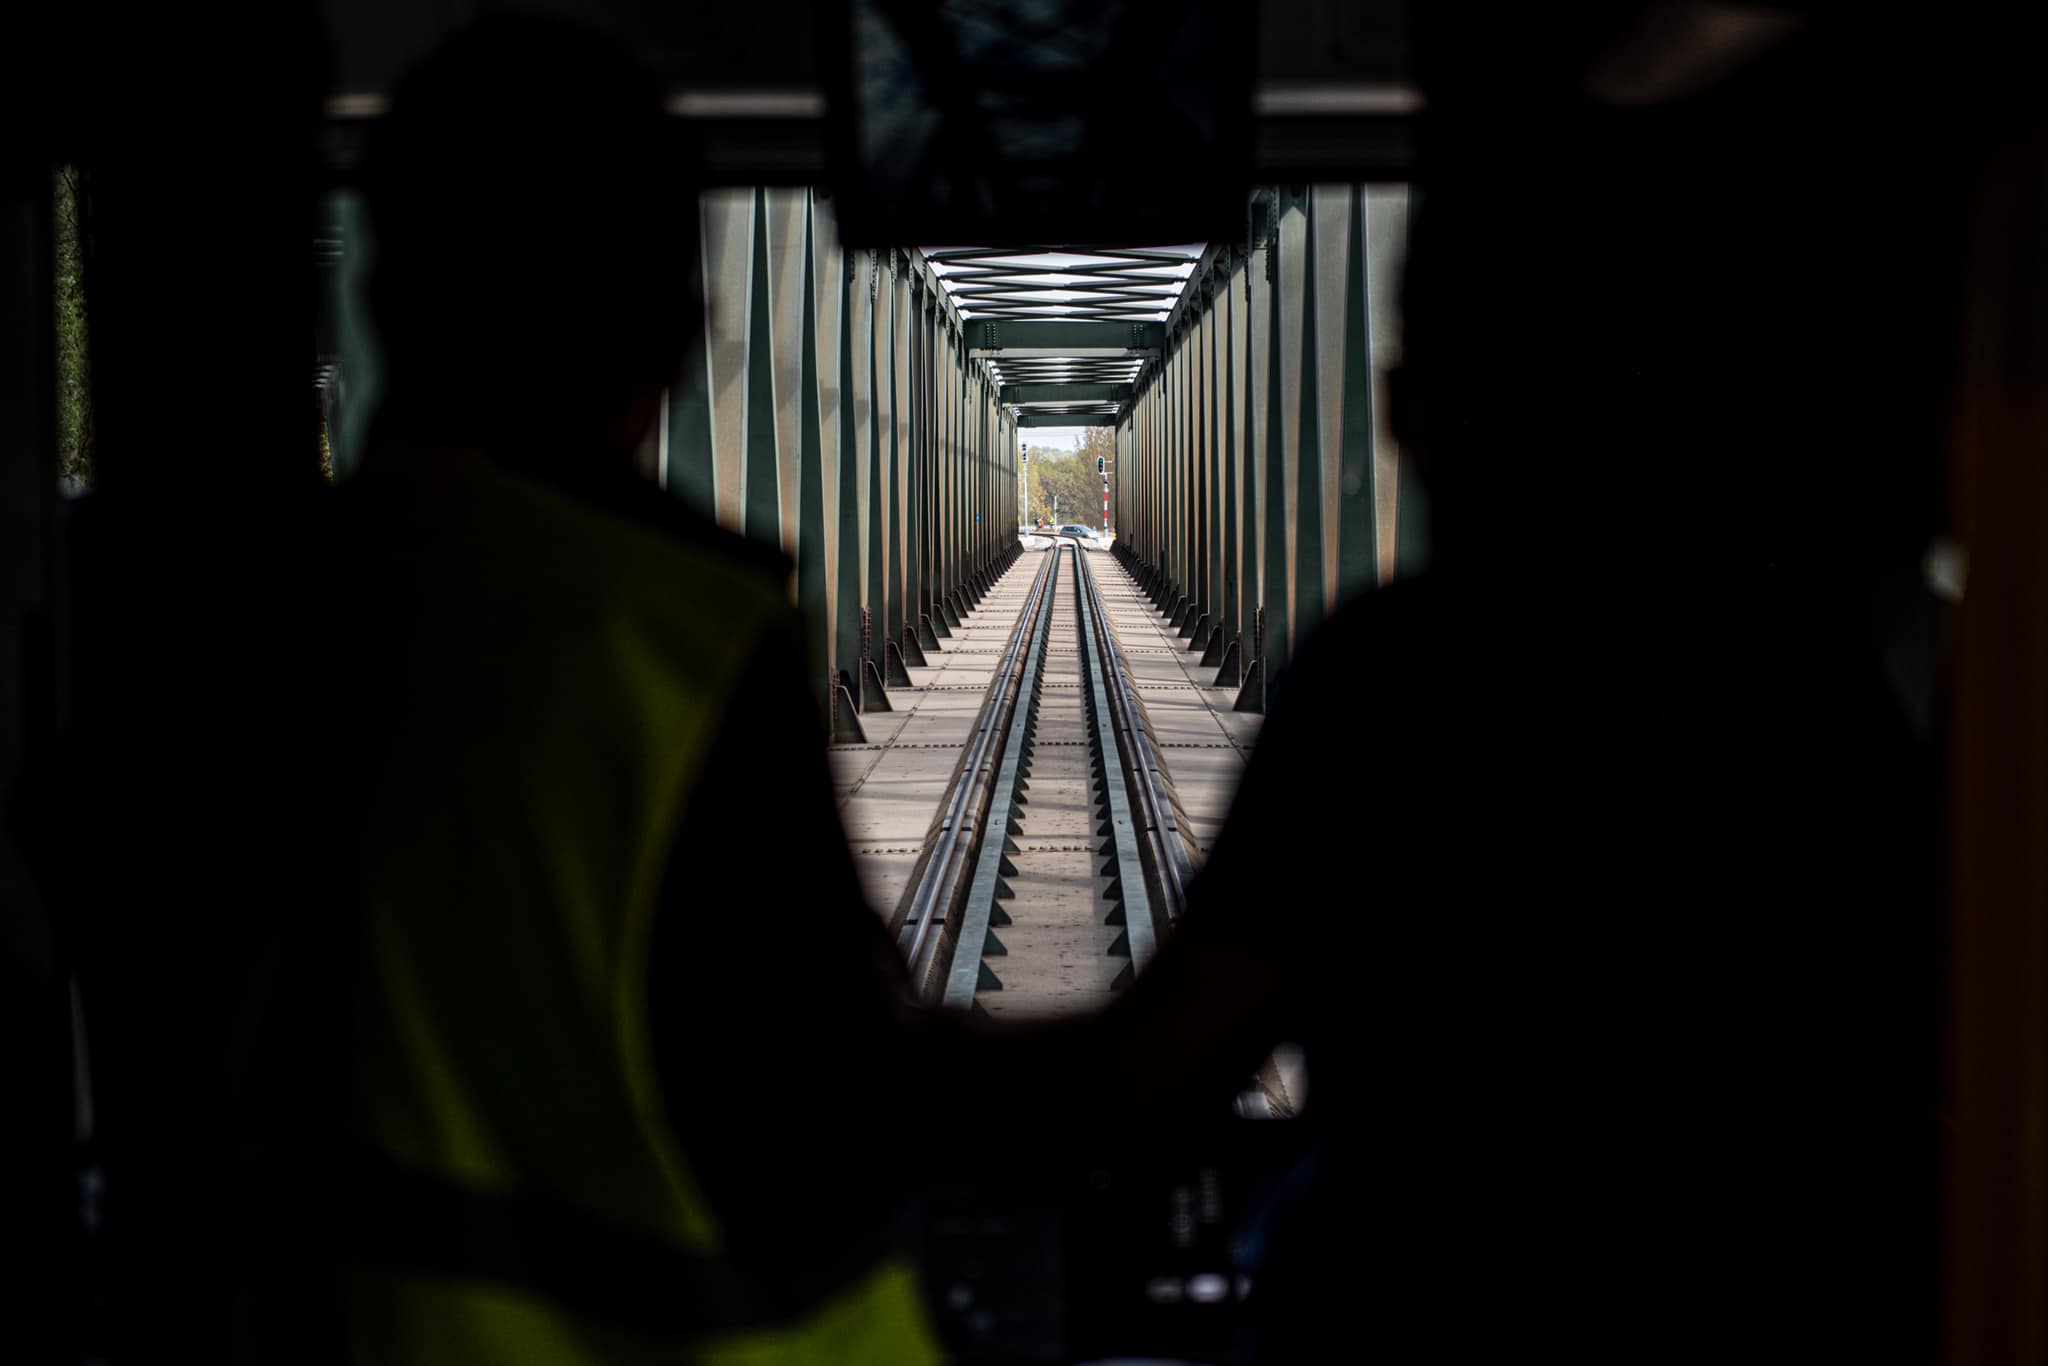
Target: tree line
(1063, 485)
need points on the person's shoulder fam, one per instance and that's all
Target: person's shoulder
(619, 495)
(1377, 622)
(656, 509)
(1402, 645)
(560, 528)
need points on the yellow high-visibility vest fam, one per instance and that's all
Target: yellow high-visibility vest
(553, 690)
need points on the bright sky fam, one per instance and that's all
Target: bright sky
(1052, 438)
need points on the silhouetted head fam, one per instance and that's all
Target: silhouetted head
(535, 219)
(1679, 331)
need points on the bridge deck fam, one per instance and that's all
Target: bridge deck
(890, 788)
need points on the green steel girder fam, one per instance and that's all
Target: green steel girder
(1117, 394)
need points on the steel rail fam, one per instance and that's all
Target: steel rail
(938, 887)
(1101, 660)
(1171, 864)
(1167, 850)
(966, 973)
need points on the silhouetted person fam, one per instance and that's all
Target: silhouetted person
(617, 1008)
(1616, 982)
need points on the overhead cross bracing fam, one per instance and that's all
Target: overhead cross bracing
(1065, 334)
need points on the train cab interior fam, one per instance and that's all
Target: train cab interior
(1507, 812)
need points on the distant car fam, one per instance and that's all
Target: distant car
(1087, 536)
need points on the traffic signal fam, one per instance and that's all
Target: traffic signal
(1102, 464)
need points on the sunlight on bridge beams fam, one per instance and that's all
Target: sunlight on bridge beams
(1082, 284)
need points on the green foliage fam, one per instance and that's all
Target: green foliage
(1099, 441)
(1070, 476)
(74, 353)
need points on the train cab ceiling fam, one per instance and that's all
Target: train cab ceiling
(1327, 87)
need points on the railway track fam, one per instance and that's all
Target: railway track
(1057, 859)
